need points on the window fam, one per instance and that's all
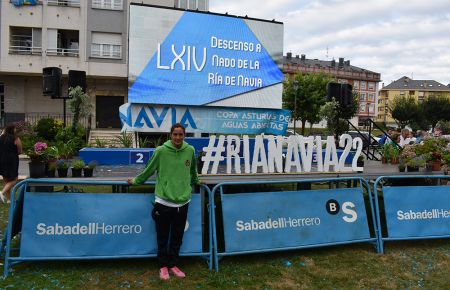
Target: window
(193, 4)
(371, 108)
(363, 85)
(362, 107)
(25, 40)
(371, 97)
(371, 86)
(106, 45)
(62, 42)
(402, 93)
(412, 93)
(362, 97)
(108, 4)
(356, 85)
(73, 3)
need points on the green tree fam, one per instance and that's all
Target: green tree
(404, 110)
(337, 115)
(310, 96)
(435, 109)
(80, 105)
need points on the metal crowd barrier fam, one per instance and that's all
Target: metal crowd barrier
(74, 225)
(284, 220)
(411, 212)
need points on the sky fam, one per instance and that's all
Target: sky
(394, 38)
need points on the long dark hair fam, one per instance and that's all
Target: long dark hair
(9, 132)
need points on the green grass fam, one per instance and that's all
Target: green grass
(405, 265)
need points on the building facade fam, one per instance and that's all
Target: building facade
(419, 89)
(364, 82)
(83, 35)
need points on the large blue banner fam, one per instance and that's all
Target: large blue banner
(273, 220)
(417, 211)
(159, 118)
(85, 224)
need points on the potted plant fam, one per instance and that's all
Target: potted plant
(401, 165)
(77, 167)
(435, 161)
(446, 161)
(395, 153)
(37, 160)
(62, 166)
(415, 163)
(88, 170)
(386, 152)
(51, 169)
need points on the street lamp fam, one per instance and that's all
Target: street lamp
(295, 86)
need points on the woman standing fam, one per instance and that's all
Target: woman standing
(176, 169)
(10, 148)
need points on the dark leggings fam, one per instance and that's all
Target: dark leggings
(170, 223)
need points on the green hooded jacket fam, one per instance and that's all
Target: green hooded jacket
(176, 172)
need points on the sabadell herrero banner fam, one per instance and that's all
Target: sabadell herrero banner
(179, 57)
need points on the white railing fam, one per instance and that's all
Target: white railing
(63, 51)
(106, 50)
(73, 3)
(108, 4)
(18, 49)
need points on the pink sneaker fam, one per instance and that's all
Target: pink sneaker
(177, 272)
(164, 273)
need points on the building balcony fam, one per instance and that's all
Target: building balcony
(74, 52)
(71, 3)
(31, 50)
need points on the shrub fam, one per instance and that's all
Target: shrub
(78, 164)
(61, 164)
(92, 164)
(47, 128)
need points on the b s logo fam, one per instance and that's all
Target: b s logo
(348, 208)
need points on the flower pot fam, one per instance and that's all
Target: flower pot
(76, 172)
(37, 169)
(436, 165)
(88, 172)
(401, 169)
(62, 172)
(51, 173)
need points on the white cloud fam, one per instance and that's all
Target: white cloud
(392, 37)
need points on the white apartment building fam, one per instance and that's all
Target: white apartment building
(83, 35)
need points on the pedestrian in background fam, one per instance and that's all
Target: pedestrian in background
(10, 149)
(174, 163)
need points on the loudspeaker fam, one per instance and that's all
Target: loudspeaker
(51, 81)
(346, 95)
(77, 78)
(342, 93)
(333, 91)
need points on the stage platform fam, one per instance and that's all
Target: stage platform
(372, 170)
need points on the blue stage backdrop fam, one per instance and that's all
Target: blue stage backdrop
(159, 118)
(417, 211)
(85, 224)
(273, 220)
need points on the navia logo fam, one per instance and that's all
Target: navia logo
(148, 116)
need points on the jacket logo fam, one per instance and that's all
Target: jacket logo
(187, 163)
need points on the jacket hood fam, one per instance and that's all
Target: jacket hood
(168, 144)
